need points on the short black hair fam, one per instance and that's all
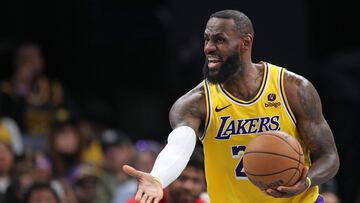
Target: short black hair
(242, 22)
(39, 186)
(197, 159)
(114, 137)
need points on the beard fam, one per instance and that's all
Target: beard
(227, 69)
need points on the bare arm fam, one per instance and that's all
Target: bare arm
(189, 110)
(313, 128)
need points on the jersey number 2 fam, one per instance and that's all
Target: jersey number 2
(237, 152)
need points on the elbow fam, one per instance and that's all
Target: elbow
(333, 168)
(336, 163)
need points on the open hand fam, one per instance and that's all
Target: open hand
(149, 189)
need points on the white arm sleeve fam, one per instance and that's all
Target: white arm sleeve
(172, 160)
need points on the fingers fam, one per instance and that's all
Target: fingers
(301, 181)
(138, 195)
(288, 191)
(144, 198)
(283, 191)
(131, 171)
(274, 193)
(149, 200)
(304, 173)
(141, 197)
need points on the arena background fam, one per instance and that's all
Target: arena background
(135, 58)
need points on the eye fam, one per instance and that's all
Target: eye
(206, 38)
(220, 39)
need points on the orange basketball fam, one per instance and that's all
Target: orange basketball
(272, 159)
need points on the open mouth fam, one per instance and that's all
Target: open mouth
(214, 62)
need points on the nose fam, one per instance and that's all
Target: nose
(188, 185)
(209, 47)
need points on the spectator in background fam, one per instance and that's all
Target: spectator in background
(32, 168)
(6, 164)
(21, 179)
(84, 180)
(146, 153)
(41, 193)
(94, 119)
(189, 186)
(118, 150)
(34, 98)
(43, 166)
(65, 146)
(9, 130)
(43, 172)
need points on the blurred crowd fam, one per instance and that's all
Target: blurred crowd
(52, 151)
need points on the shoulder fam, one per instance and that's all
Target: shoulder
(296, 85)
(295, 80)
(301, 94)
(190, 106)
(194, 95)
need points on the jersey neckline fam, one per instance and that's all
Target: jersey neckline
(257, 96)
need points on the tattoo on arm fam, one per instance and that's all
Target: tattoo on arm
(314, 130)
(189, 110)
(310, 103)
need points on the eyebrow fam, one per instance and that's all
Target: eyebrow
(219, 34)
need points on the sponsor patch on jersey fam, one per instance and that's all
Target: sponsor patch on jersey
(271, 101)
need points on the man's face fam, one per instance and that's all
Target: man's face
(42, 196)
(85, 189)
(29, 60)
(116, 156)
(221, 48)
(6, 159)
(188, 186)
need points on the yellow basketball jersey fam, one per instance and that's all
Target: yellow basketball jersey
(230, 124)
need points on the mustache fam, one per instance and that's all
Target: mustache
(227, 69)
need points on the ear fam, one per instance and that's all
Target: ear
(246, 42)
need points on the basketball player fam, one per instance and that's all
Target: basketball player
(237, 100)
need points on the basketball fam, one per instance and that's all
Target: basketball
(273, 159)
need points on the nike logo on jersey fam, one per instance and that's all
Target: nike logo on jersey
(220, 109)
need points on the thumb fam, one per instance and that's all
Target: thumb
(131, 171)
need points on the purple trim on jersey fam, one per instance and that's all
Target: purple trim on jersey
(209, 110)
(320, 199)
(283, 95)
(255, 99)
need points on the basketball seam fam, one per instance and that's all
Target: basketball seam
(261, 152)
(269, 133)
(294, 173)
(300, 155)
(269, 174)
(296, 167)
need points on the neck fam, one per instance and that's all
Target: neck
(246, 82)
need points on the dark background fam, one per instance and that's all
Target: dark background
(136, 58)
